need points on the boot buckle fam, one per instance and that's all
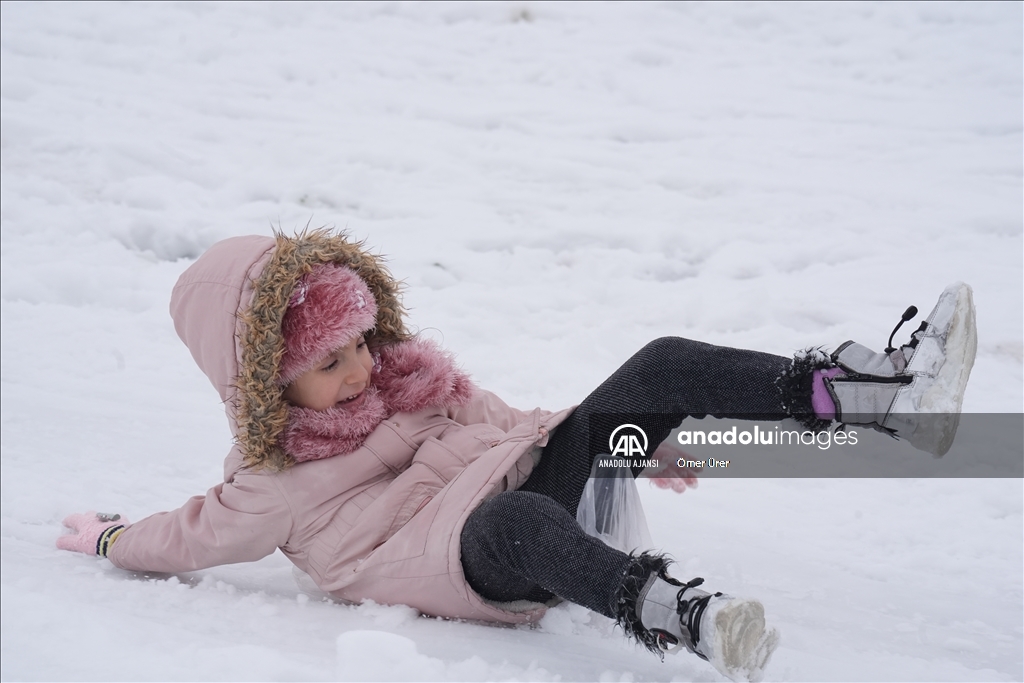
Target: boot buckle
(667, 642)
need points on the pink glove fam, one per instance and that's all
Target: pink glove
(670, 475)
(94, 533)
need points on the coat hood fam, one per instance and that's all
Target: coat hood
(228, 308)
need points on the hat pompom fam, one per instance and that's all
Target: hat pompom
(330, 307)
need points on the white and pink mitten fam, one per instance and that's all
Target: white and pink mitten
(94, 532)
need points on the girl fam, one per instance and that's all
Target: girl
(372, 461)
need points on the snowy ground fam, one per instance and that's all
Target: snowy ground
(558, 184)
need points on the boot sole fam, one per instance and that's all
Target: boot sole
(745, 644)
(944, 398)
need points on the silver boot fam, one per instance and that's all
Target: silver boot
(730, 633)
(914, 392)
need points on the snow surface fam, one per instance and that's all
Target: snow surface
(558, 184)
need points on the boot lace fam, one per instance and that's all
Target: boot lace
(690, 613)
(914, 338)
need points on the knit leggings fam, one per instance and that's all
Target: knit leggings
(526, 544)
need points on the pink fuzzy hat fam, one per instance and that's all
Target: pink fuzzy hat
(330, 307)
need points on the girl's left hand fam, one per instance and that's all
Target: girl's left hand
(670, 475)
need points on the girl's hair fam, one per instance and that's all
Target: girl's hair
(260, 409)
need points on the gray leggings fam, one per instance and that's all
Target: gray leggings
(526, 544)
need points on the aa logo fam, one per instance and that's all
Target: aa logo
(628, 441)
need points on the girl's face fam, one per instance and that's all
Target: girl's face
(339, 380)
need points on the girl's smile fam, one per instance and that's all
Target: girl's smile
(352, 401)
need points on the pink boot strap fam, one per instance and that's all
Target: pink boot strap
(821, 401)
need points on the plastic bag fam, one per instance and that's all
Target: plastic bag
(610, 509)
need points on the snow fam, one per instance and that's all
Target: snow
(557, 184)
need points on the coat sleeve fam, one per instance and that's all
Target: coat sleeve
(240, 521)
(486, 408)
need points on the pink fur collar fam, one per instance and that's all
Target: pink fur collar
(413, 375)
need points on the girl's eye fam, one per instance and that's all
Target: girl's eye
(330, 367)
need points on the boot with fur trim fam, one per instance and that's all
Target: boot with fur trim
(665, 615)
(730, 633)
(913, 392)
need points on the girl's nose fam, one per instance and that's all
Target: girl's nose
(356, 373)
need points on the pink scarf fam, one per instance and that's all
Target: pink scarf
(413, 375)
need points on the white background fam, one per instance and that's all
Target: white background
(557, 185)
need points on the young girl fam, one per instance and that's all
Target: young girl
(377, 467)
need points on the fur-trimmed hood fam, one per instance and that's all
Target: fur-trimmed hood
(228, 308)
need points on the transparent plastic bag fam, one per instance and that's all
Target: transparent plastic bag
(610, 509)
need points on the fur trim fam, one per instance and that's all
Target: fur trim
(318, 434)
(797, 387)
(638, 571)
(333, 308)
(420, 374)
(413, 375)
(260, 410)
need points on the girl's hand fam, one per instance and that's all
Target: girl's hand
(94, 532)
(670, 475)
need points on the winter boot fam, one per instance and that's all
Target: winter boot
(913, 392)
(729, 633)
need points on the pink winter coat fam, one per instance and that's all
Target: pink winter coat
(382, 522)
